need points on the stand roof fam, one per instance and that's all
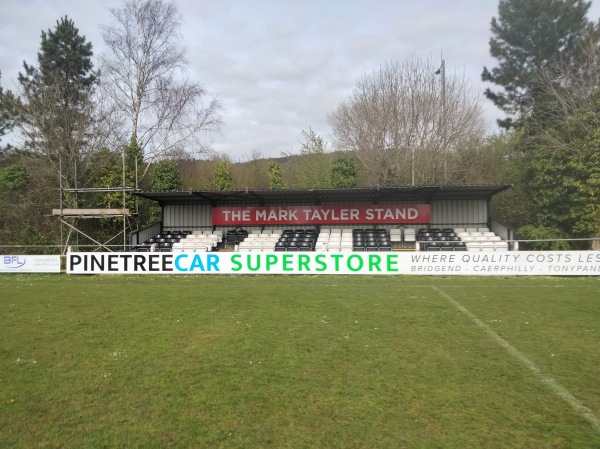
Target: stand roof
(424, 194)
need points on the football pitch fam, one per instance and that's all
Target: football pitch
(299, 362)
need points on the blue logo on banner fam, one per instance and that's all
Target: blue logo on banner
(14, 261)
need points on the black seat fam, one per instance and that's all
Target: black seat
(305, 246)
(433, 246)
(459, 246)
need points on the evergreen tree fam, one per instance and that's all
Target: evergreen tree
(344, 173)
(275, 175)
(7, 114)
(55, 109)
(223, 179)
(563, 183)
(166, 177)
(530, 36)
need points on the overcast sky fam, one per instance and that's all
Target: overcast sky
(280, 67)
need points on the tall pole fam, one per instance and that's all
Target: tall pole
(124, 217)
(443, 79)
(60, 188)
(413, 165)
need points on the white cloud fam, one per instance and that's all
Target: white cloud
(281, 67)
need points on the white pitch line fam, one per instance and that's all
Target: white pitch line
(556, 388)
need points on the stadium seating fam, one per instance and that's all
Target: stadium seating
(183, 241)
(460, 239)
(328, 240)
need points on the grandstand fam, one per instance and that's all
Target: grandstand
(432, 218)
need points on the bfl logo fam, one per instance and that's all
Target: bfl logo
(14, 261)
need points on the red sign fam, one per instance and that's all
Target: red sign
(385, 214)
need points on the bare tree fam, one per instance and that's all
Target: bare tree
(404, 121)
(251, 172)
(567, 88)
(145, 76)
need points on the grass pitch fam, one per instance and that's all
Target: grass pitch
(299, 362)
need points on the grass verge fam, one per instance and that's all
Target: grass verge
(294, 362)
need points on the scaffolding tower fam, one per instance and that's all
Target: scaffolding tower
(75, 214)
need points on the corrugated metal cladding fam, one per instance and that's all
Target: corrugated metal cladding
(187, 216)
(144, 234)
(459, 212)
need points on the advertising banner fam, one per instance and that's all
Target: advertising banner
(29, 264)
(317, 215)
(547, 263)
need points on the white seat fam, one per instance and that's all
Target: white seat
(501, 246)
(410, 235)
(396, 235)
(473, 246)
(487, 246)
(321, 246)
(189, 248)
